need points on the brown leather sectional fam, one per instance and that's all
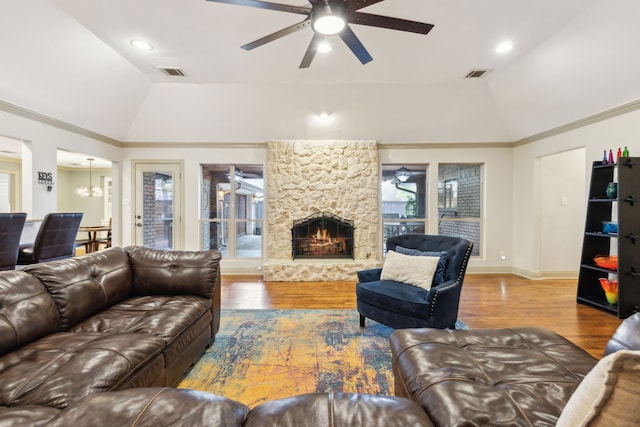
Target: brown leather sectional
(97, 340)
(100, 339)
(111, 320)
(495, 377)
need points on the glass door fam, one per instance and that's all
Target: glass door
(158, 198)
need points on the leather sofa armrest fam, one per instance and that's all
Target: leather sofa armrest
(370, 275)
(153, 407)
(160, 272)
(626, 336)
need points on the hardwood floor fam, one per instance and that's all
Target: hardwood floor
(488, 301)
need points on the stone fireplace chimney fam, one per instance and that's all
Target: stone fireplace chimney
(305, 178)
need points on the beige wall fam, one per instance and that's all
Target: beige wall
(68, 201)
(513, 177)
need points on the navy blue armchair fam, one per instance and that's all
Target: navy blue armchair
(401, 305)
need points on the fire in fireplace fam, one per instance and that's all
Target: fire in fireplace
(322, 235)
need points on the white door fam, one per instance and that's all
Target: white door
(158, 205)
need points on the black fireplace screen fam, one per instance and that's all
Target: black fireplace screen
(322, 235)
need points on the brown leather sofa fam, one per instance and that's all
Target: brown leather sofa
(94, 340)
(159, 407)
(500, 377)
(111, 320)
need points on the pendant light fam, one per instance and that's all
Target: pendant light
(91, 190)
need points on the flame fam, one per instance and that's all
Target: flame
(322, 235)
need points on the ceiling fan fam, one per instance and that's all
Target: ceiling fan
(331, 17)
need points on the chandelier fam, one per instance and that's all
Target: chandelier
(91, 190)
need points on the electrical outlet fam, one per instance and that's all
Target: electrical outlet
(503, 256)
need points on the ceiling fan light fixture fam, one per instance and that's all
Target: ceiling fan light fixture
(328, 23)
(324, 47)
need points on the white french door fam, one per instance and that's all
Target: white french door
(158, 205)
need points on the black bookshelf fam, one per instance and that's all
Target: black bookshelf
(625, 211)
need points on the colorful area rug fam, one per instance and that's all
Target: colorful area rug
(262, 355)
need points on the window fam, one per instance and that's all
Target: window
(404, 200)
(232, 209)
(460, 202)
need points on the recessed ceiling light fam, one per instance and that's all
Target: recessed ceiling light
(503, 47)
(324, 115)
(141, 44)
(324, 47)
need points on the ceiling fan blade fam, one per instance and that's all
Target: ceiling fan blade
(278, 34)
(351, 40)
(361, 18)
(361, 4)
(302, 10)
(311, 50)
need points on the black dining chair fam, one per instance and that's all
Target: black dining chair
(55, 239)
(11, 225)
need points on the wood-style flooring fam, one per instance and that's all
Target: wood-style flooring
(488, 301)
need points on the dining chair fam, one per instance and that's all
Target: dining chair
(106, 240)
(55, 239)
(11, 225)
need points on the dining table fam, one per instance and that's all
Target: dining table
(92, 230)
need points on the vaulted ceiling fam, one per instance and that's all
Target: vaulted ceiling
(72, 60)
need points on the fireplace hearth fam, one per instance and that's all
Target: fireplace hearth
(322, 236)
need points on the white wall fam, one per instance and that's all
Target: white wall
(512, 215)
(563, 209)
(13, 167)
(497, 197)
(43, 140)
(619, 131)
(192, 158)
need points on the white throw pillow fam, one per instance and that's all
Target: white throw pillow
(413, 270)
(608, 395)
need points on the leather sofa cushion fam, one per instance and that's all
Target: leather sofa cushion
(27, 311)
(60, 369)
(173, 273)
(28, 415)
(86, 285)
(338, 410)
(519, 376)
(154, 407)
(166, 317)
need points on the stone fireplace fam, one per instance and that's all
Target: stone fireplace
(307, 179)
(322, 236)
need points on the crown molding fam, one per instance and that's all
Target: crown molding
(441, 145)
(32, 115)
(586, 121)
(141, 144)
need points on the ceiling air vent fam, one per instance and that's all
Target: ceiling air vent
(172, 71)
(474, 74)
